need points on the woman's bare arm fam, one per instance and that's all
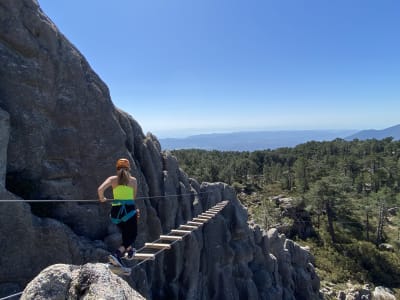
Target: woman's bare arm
(106, 184)
(133, 184)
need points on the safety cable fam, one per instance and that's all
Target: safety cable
(96, 200)
(12, 296)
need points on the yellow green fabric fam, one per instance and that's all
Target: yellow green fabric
(122, 193)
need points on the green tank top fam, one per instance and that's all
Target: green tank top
(123, 194)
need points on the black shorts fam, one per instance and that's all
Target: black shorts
(129, 227)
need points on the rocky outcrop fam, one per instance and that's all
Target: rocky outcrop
(64, 137)
(295, 210)
(90, 281)
(382, 293)
(357, 292)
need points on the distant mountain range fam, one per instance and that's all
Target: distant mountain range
(261, 140)
(393, 131)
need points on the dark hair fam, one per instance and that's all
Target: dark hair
(123, 176)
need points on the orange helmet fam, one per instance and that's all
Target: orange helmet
(123, 163)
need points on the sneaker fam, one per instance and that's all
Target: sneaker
(115, 258)
(130, 254)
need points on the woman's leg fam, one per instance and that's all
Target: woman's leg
(121, 248)
(129, 232)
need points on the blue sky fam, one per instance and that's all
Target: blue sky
(182, 67)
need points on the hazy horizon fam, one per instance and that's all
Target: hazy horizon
(184, 133)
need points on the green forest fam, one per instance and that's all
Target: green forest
(347, 193)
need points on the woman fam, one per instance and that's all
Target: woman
(123, 211)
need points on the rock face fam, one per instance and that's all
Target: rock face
(64, 135)
(90, 281)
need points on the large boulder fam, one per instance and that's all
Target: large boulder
(87, 282)
(382, 293)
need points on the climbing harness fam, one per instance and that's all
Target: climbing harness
(123, 197)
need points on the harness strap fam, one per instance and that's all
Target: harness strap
(123, 216)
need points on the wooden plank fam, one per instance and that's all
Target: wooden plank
(188, 227)
(218, 206)
(194, 223)
(171, 237)
(180, 231)
(200, 220)
(157, 246)
(143, 256)
(204, 217)
(208, 214)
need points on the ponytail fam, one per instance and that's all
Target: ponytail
(123, 176)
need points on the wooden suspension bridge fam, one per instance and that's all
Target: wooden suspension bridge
(150, 250)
